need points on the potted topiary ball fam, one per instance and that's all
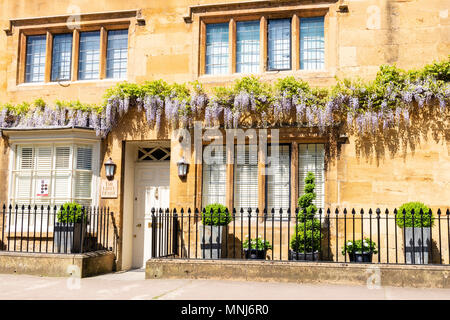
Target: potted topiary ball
(417, 220)
(70, 228)
(360, 250)
(256, 248)
(306, 240)
(215, 217)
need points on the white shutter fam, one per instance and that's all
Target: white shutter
(62, 177)
(23, 188)
(214, 179)
(83, 179)
(44, 158)
(246, 178)
(311, 158)
(23, 176)
(278, 179)
(26, 158)
(62, 159)
(84, 158)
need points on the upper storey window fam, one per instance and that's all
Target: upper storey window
(94, 60)
(62, 57)
(217, 48)
(117, 54)
(271, 42)
(57, 48)
(247, 46)
(89, 56)
(35, 58)
(312, 43)
(279, 46)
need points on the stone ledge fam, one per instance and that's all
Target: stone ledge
(57, 265)
(419, 276)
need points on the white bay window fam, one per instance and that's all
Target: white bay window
(52, 174)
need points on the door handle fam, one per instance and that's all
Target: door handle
(138, 225)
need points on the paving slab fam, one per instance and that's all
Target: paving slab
(131, 285)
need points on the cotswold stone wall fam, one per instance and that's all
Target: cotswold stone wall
(369, 171)
(372, 33)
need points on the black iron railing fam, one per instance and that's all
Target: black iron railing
(328, 236)
(45, 229)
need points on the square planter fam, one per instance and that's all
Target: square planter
(360, 256)
(300, 256)
(68, 237)
(418, 249)
(211, 239)
(254, 254)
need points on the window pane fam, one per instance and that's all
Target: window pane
(62, 56)
(117, 52)
(311, 157)
(62, 157)
(214, 179)
(279, 44)
(247, 46)
(246, 177)
(278, 179)
(312, 43)
(217, 48)
(26, 158)
(89, 56)
(35, 59)
(84, 158)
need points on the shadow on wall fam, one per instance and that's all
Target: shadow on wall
(394, 141)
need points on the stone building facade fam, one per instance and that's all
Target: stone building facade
(168, 40)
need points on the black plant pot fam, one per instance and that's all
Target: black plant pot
(68, 237)
(360, 256)
(300, 256)
(255, 254)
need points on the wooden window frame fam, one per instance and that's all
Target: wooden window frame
(288, 136)
(263, 15)
(19, 29)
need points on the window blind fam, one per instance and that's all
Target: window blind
(278, 179)
(51, 175)
(311, 158)
(214, 179)
(246, 177)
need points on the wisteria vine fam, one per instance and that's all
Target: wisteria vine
(387, 101)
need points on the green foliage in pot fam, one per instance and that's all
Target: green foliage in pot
(360, 246)
(215, 218)
(406, 220)
(70, 212)
(307, 208)
(257, 244)
(307, 236)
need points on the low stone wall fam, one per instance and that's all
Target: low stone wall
(57, 265)
(302, 272)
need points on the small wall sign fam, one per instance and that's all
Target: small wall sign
(108, 189)
(42, 188)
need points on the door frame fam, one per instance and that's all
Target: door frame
(139, 166)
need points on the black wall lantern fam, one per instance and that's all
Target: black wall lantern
(182, 168)
(110, 168)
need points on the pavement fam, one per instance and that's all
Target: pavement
(131, 285)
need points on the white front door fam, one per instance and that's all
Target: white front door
(151, 191)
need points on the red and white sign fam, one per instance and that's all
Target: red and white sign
(42, 188)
